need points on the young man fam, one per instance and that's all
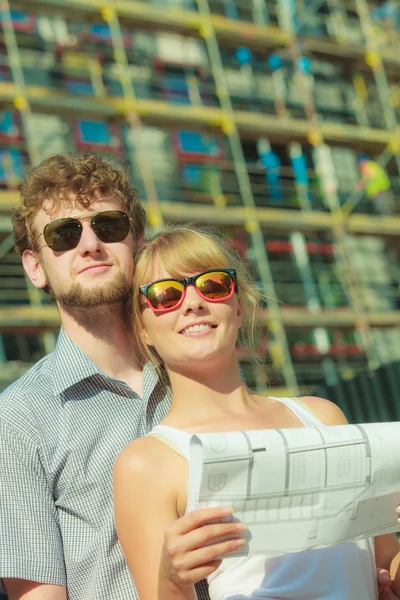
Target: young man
(65, 421)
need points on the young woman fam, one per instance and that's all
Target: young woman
(193, 298)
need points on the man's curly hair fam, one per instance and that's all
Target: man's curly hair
(73, 178)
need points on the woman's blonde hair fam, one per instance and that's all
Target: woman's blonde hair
(184, 250)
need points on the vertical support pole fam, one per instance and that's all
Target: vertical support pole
(154, 214)
(252, 223)
(326, 172)
(21, 101)
(374, 60)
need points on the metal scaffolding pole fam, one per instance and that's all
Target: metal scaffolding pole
(374, 60)
(326, 172)
(21, 103)
(21, 100)
(154, 215)
(229, 127)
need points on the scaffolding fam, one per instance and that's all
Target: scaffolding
(286, 53)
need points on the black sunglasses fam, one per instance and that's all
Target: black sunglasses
(64, 234)
(214, 285)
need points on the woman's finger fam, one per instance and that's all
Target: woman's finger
(202, 572)
(383, 577)
(199, 517)
(208, 534)
(202, 536)
(190, 561)
(398, 512)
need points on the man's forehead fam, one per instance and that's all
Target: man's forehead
(65, 208)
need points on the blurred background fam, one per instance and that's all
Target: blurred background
(276, 121)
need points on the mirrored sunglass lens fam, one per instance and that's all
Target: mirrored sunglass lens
(215, 285)
(63, 235)
(111, 226)
(164, 294)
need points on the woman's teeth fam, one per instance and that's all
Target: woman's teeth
(195, 328)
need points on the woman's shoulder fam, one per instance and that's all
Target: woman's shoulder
(326, 411)
(140, 456)
(145, 471)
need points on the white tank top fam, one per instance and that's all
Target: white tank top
(342, 572)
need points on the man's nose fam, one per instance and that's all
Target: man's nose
(89, 242)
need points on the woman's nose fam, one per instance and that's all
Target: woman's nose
(193, 300)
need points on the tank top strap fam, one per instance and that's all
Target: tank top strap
(175, 439)
(179, 441)
(301, 410)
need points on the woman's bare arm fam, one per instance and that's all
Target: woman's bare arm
(22, 589)
(145, 506)
(325, 410)
(166, 553)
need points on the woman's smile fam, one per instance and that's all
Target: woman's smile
(198, 329)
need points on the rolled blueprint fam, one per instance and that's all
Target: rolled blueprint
(298, 489)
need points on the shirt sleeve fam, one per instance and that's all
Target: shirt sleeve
(30, 540)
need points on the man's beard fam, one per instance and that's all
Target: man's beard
(119, 291)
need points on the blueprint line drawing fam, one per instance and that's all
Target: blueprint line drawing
(298, 489)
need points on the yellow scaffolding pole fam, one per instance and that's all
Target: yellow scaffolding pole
(280, 352)
(154, 215)
(21, 103)
(316, 138)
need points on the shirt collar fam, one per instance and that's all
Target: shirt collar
(72, 365)
(149, 381)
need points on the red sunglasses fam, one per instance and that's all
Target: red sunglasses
(214, 285)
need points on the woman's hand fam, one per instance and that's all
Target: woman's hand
(384, 585)
(385, 582)
(193, 548)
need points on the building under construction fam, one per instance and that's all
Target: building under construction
(275, 121)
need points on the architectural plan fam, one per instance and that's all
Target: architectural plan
(298, 489)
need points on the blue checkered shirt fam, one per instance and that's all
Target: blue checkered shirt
(62, 425)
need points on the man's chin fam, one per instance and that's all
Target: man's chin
(117, 293)
(91, 300)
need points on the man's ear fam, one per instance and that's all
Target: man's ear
(34, 269)
(138, 244)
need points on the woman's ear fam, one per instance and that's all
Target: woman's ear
(34, 269)
(145, 336)
(239, 312)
